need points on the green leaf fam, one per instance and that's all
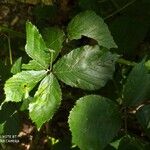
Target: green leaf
(18, 87)
(16, 68)
(54, 38)
(91, 25)
(143, 116)
(36, 47)
(137, 86)
(32, 65)
(94, 121)
(86, 67)
(46, 101)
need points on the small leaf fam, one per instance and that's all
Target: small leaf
(137, 86)
(86, 67)
(143, 116)
(16, 68)
(54, 38)
(32, 65)
(91, 25)
(36, 47)
(46, 101)
(94, 121)
(18, 87)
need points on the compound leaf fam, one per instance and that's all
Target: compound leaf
(137, 87)
(86, 67)
(46, 101)
(94, 121)
(36, 47)
(18, 87)
(91, 25)
(54, 38)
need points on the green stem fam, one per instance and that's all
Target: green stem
(119, 10)
(126, 62)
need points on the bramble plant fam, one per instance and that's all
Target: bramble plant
(94, 121)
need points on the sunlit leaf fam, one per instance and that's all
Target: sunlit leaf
(36, 47)
(18, 87)
(91, 25)
(86, 67)
(46, 101)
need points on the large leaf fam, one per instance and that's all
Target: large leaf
(143, 116)
(91, 25)
(46, 101)
(137, 86)
(86, 67)
(94, 121)
(18, 87)
(36, 47)
(54, 38)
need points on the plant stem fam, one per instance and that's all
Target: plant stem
(119, 10)
(126, 62)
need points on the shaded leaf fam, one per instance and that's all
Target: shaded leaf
(36, 47)
(137, 86)
(16, 68)
(91, 25)
(94, 121)
(86, 67)
(18, 87)
(46, 101)
(54, 38)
